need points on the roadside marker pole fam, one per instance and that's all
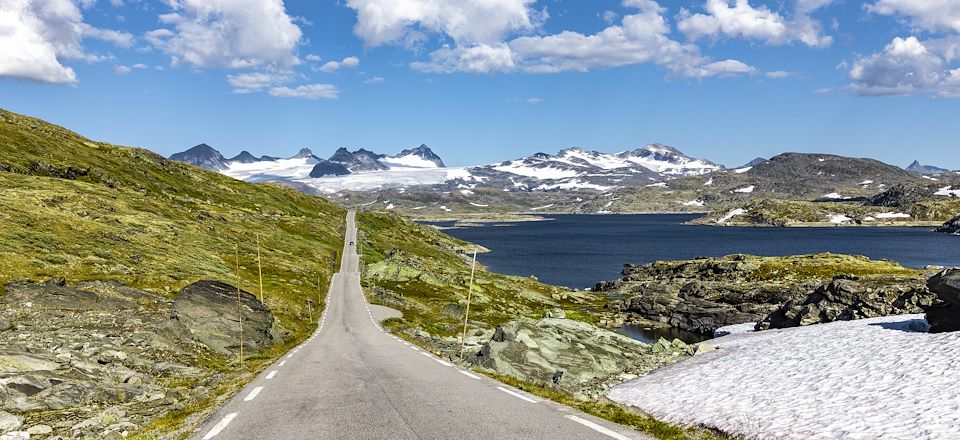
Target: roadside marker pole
(466, 314)
(259, 268)
(239, 305)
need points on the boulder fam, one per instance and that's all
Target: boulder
(208, 311)
(944, 314)
(9, 422)
(951, 227)
(573, 355)
(847, 300)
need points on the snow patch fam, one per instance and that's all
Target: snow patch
(867, 379)
(479, 205)
(742, 170)
(732, 214)
(947, 192)
(746, 189)
(888, 215)
(658, 185)
(693, 203)
(838, 218)
(708, 182)
(542, 207)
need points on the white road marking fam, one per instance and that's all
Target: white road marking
(296, 350)
(272, 373)
(426, 354)
(282, 362)
(289, 355)
(414, 348)
(517, 395)
(253, 394)
(220, 426)
(598, 428)
(443, 362)
(469, 374)
(406, 343)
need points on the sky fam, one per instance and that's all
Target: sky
(483, 81)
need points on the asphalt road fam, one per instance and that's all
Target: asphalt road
(352, 380)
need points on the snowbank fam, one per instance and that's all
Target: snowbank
(866, 379)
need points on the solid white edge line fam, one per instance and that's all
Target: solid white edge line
(414, 348)
(253, 394)
(469, 374)
(220, 426)
(425, 354)
(517, 395)
(271, 374)
(607, 432)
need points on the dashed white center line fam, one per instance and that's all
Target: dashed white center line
(517, 395)
(469, 374)
(598, 428)
(443, 362)
(253, 394)
(289, 355)
(282, 362)
(220, 426)
(272, 373)
(414, 348)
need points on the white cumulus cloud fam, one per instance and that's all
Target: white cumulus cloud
(308, 91)
(257, 81)
(236, 34)
(346, 63)
(909, 66)
(927, 14)
(37, 38)
(740, 19)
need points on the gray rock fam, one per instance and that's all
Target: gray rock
(555, 313)
(40, 430)
(208, 311)
(9, 422)
(944, 314)
(951, 227)
(570, 354)
(846, 300)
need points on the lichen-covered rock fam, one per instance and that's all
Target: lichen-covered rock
(846, 300)
(573, 355)
(944, 314)
(210, 312)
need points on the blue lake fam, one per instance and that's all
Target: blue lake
(580, 250)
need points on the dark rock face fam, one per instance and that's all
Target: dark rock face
(244, 157)
(951, 227)
(203, 156)
(901, 195)
(357, 161)
(327, 168)
(423, 152)
(846, 300)
(944, 314)
(917, 168)
(208, 311)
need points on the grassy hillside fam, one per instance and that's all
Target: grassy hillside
(84, 210)
(80, 209)
(425, 274)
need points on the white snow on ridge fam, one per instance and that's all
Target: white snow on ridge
(732, 214)
(742, 170)
(408, 161)
(889, 215)
(833, 195)
(385, 179)
(535, 172)
(293, 168)
(865, 379)
(572, 184)
(746, 189)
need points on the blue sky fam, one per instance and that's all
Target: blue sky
(485, 81)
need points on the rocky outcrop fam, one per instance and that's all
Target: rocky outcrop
(208, 311)
(951, 227)
(944, 314)
(98, 359)
(573, 355)
(704, 294)
(846, 300)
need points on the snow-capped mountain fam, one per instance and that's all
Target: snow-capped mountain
(364, 170)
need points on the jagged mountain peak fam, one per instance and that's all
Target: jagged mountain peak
(917, 168)
(419, 157)
(304, 153)
(203, 156)
(245, 157)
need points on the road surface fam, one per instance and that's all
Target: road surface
(352, 380)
